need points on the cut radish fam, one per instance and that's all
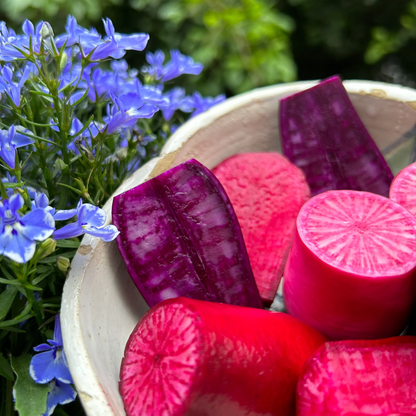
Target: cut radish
(179, 236)
(323, 135)
(267, 192)
(350, 271)
(371, 378)
(403, 188)
(190, 357)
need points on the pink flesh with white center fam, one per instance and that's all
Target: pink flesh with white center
(351, 267)
(403, 188)
(360, 378)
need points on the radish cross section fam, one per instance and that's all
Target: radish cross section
(350, 270)
(188, 357)
(403, 188)
(366, 378)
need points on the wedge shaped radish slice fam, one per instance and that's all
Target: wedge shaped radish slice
(403, 188)
(351, 266)
(190, 357)
(267, 192)
(179, 236)
(374, 378)
(323, 135)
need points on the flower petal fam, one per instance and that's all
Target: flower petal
(68, 231)
(43, 347)
(91, 215)
(59, 393)
(16, 202)
(57, 334)
(16, 246)
(42, 367)
(37, 224)
(107, 233)
(63, 215)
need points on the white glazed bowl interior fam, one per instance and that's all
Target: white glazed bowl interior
(101, 305)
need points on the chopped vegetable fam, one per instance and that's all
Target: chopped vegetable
(190, 357)
(403, 188)
(267, 192)
(366, 378)
(179, 236)
(350, 271)
(323, 135)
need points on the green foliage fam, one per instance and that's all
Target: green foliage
(242, 44)
(18, 10)
(385, 42)
(30, 396)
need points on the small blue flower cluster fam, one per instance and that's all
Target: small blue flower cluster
(117, 89)
(50, 366)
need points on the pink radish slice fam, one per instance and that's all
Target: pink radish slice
(360, 378)
(267, 192)
(350, 270)
(189, 357)
(403, 188)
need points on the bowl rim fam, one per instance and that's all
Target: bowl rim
(91, 392)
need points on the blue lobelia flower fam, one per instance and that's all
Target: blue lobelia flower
(176, 100)
(13, 89)
(59, 393)
(40, 200)
(90, 220)
(126, 110)
(202, 104)
(10, 140)
(51, 362)
(178, 65)
(18, 233)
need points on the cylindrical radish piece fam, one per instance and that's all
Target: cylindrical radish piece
(350, 270)
(267, 192)
(191, 357)
(403, 188)
(360, 378)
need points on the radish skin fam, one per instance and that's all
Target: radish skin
(323, 135)
(360, 378)
(195, 358)
(267, 192)
(403, 188)
(350, 272)
(179, 236)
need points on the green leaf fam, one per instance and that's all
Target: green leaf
(53, 259)
(5, 368)
(67, 243)
(42, 276)
(6, 300)
(24, 316)
(30, 396)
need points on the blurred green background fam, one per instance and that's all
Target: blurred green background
(251, 43)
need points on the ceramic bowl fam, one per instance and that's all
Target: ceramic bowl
(101, 305)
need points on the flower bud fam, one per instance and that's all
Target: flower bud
(46, 248)
(63, 264)
(64, 59)
(121, 153)
(46, 30)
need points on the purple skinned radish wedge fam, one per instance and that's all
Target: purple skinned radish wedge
(403, 188)
(360, 378)
(189, 357)
(267, 192)
(350, 272)
(179, 236)
(322, 134)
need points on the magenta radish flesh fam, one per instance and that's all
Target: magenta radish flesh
(322, 134)
(363, 377)
(190, 357)
(179, 236)
(403, 188)
(351, 267)
(267, 192)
